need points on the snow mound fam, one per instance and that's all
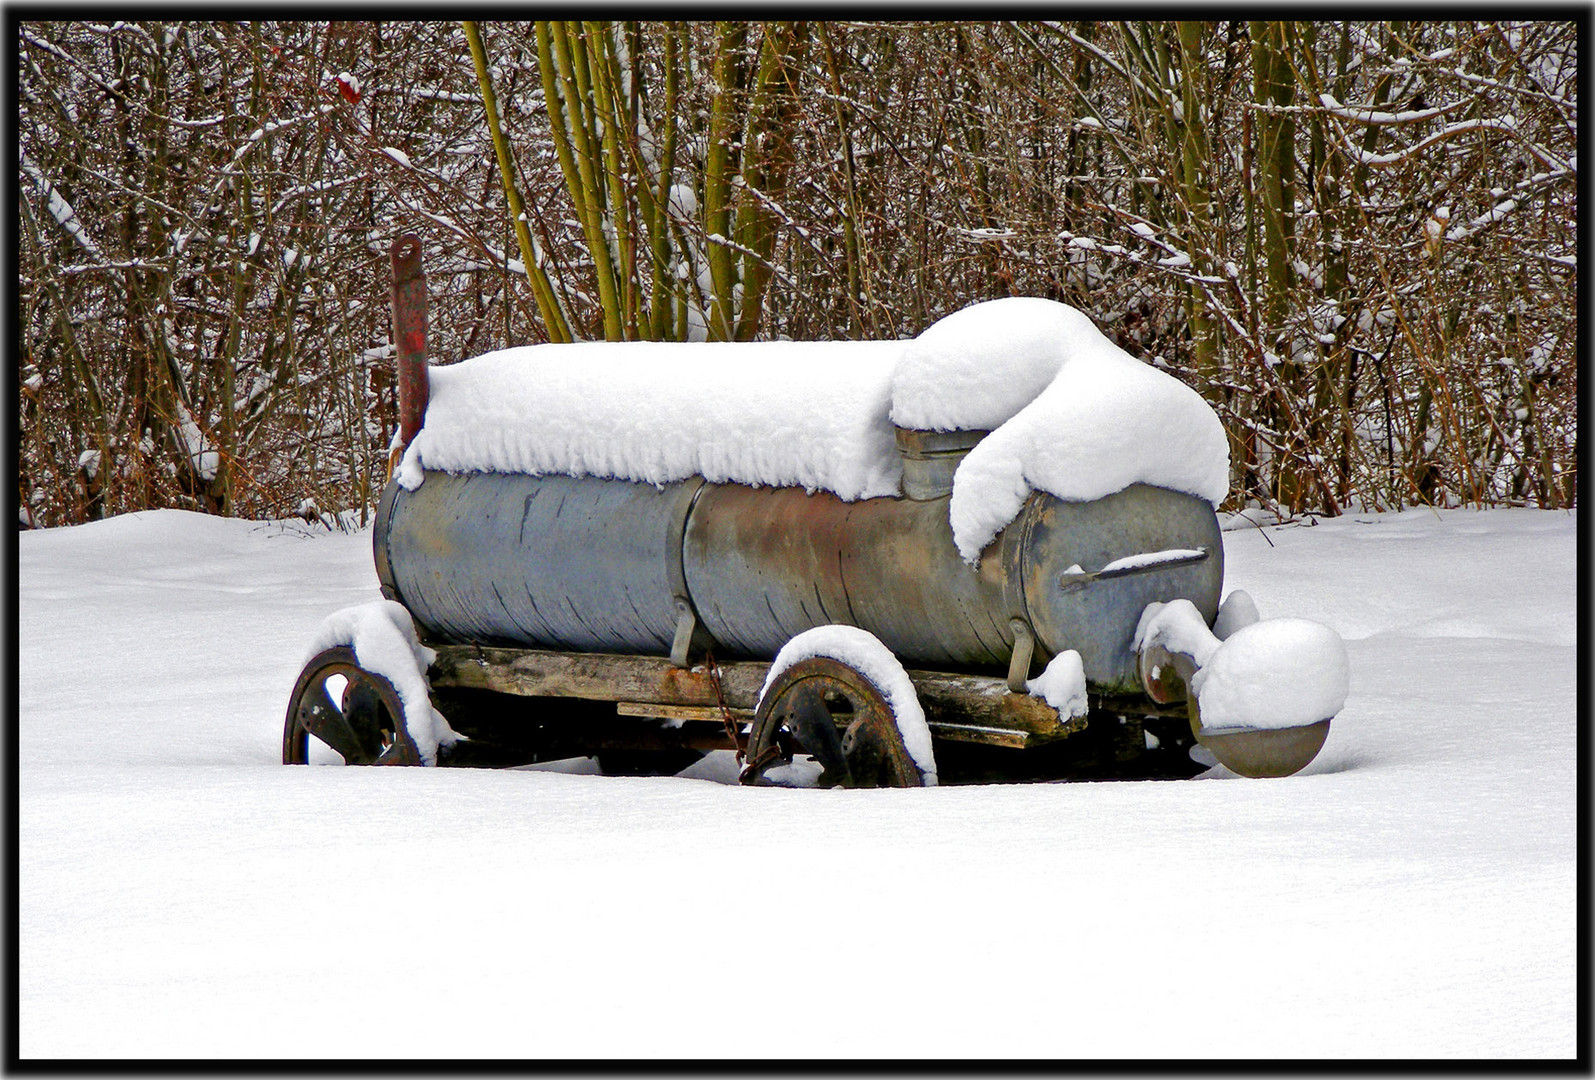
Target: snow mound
(384, 643)
(976, 368)
(865, 654)
(1104, 422)
(1276, 674)
(1062, 685)
(1237, 610)
(774, 414)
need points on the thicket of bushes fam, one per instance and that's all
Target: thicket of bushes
(1356, 239)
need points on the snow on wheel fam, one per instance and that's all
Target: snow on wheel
(838, 710)
(353, 712)
(1261, 697)
(1266, 695)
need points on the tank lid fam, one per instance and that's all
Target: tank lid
(930, 458)
(914, 443)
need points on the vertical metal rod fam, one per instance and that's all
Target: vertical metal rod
(409, 334)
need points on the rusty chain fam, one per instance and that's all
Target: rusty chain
(733, 729)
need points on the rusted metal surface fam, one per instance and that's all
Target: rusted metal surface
(733, 729)
(1099, 619)
(961, 707)
(837, 716)
(553, 560)
(763, 565)
(1024, 651)
(607, 565)
(1164, 674)
(1265, 752)
(358, 714)
(582, 588)
(409, 333)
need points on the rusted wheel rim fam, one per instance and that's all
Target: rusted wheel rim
(826, 709)
(354, 712)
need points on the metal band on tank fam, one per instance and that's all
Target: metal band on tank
(379, 541)
(691, 488)
(1027, 647)
(689, 628)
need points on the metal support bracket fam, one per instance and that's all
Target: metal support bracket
(1024, 648)
(690, 635)
(686, 625)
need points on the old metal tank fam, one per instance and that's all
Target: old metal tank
(592, 564)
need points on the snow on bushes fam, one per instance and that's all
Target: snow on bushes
(383, 639)
(864, 653)
(1071, 414)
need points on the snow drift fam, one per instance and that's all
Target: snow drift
(198, 899)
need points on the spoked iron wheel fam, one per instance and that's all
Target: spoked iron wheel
(340, 706)
(824, 710)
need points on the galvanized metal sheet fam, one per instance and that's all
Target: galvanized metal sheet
(596, 565)
(763, 565)
(1097, 618)
(568, 563)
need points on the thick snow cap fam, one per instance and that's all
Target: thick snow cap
(1276, 673)
(975, 368)
(1103, 421)
(776, 414)
(1070, 413)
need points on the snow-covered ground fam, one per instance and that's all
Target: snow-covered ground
(1412, 893)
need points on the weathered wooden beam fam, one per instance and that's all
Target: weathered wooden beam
(981, 708)
(709, 713)
(595, 676)
(967, 708)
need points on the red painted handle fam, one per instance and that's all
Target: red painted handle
(409, 333)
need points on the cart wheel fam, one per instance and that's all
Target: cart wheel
(827, 710)
(354, 712)
(1260, 753)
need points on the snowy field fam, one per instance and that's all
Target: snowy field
(1412, 894)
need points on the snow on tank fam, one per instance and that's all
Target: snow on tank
(1069, 413)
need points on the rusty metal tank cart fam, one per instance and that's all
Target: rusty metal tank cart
(580, 615)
